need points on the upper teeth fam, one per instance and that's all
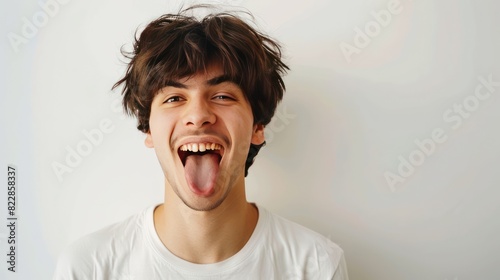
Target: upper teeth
(200, 147)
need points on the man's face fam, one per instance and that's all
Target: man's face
(201, 128)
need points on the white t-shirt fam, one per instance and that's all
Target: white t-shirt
(131, 249)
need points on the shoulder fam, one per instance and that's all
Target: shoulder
(94, 251)
(309, 251)
(297, 235)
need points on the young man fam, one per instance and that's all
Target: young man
(203, 91)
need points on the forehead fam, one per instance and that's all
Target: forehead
(212, 72)
(211, 76)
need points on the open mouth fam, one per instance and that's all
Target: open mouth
(199, 149)
(201, 166)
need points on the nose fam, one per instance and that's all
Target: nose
(198, 113)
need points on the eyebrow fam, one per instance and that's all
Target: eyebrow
(212, 82)
(219, 80)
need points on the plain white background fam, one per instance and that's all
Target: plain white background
(360, 94)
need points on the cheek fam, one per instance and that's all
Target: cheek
(239, 121)
(161, 127)
(241, 129)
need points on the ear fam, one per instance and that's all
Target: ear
(149, 140)
(258, 134)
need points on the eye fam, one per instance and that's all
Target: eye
(223, 97)
(173, 99)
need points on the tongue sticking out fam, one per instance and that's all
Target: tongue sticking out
(201, 172)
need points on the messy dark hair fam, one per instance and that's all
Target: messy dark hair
(176, 46)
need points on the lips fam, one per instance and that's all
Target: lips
(199, 149)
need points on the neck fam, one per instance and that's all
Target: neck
(205, 236)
